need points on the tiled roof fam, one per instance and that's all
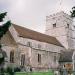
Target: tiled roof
(27, 33)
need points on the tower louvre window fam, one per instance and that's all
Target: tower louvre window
(54, 25)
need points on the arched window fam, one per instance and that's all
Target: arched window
(12, 56)
(39, 58)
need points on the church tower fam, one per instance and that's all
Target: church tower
(60, 25)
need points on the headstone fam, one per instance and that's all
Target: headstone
(65, 72)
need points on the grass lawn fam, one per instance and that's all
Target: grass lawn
(34, 73)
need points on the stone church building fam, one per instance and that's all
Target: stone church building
(28, 48)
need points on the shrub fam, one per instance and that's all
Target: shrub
(17, 69)
(10, 70)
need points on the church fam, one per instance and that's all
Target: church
(28, 48)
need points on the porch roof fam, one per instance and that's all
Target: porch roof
(66, 56)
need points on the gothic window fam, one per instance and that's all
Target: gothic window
(22, 59)
(54, 25)
(12, 56)
(39, 58)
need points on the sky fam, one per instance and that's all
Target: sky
(32, 13)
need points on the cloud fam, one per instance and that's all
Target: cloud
(32, 13)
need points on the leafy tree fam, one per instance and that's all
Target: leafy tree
(3, 29)
(73, 12)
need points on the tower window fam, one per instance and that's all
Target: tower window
(54, 25)
(12, 56)
(74, 26)
(68, 25)
(39, 58)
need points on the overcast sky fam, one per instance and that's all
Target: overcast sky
(32, 13)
